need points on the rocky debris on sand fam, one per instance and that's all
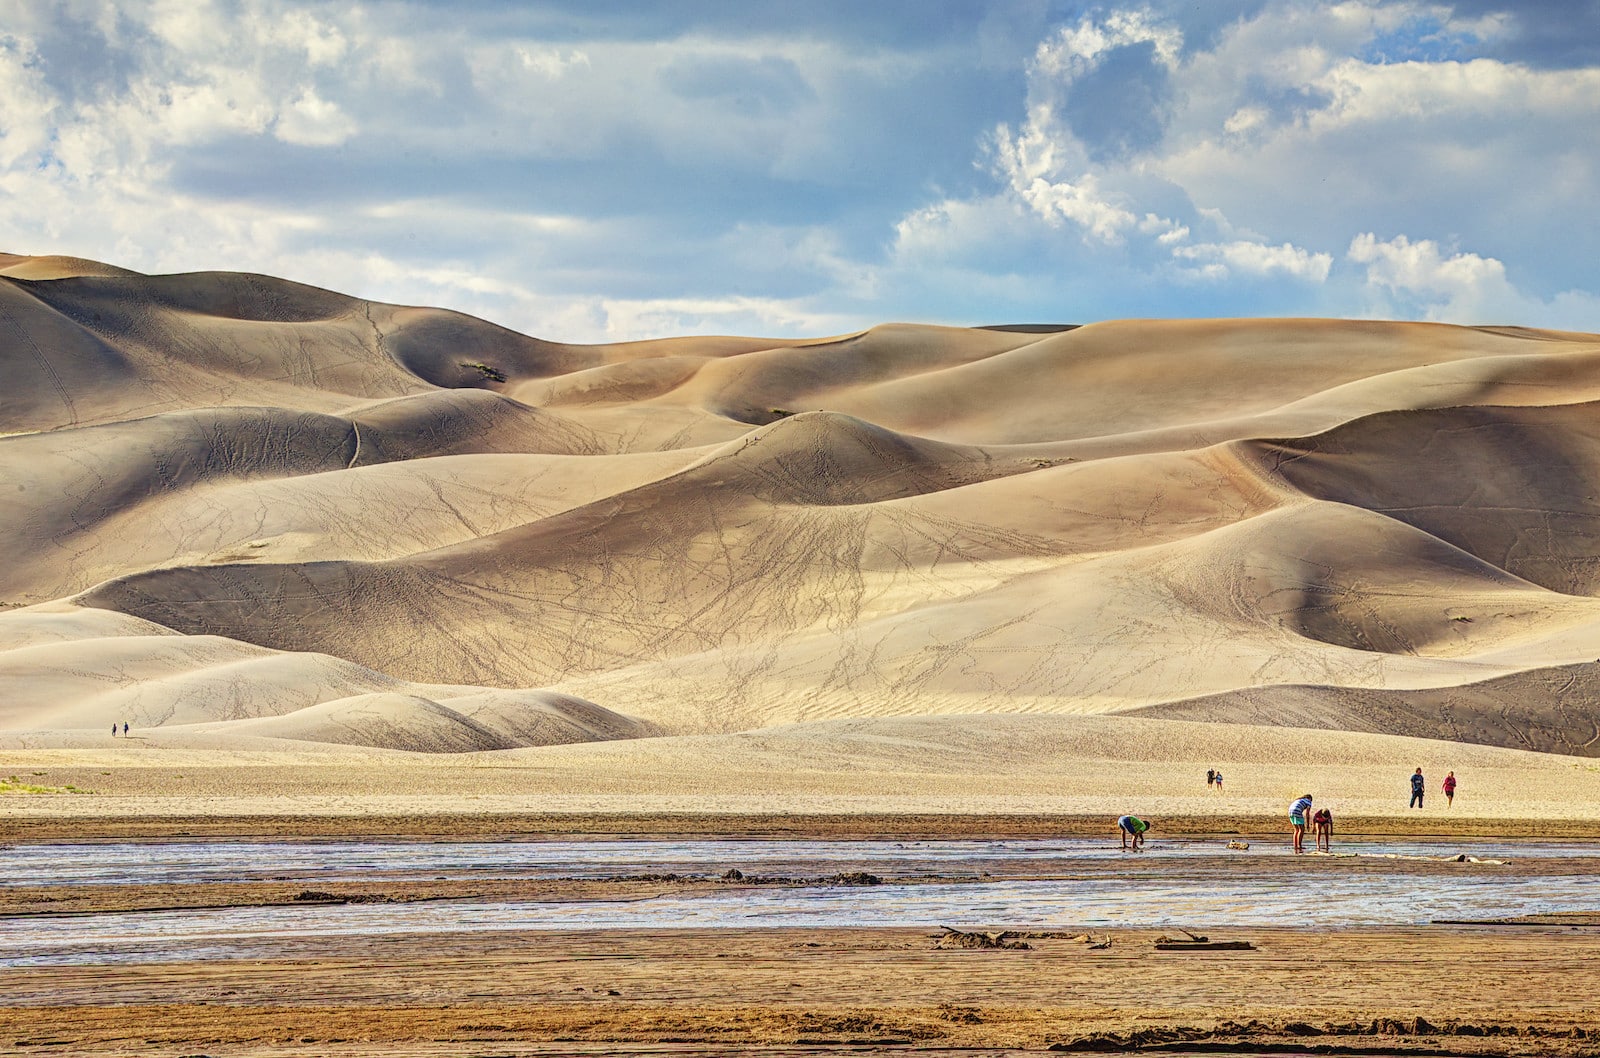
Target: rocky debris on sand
(1260, 1034)
(960, 938)
(317, 896)
(845, 878)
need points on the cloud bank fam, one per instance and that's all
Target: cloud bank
(611, 172)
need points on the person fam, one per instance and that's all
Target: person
(1219, 782)
(1322, 824)
(1297, 819)
(113, 730)
(1418, 784)
(124, 729)
(1132, 826)
(1449, 789)
(1211, 777)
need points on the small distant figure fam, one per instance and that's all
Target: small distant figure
(1418, 785)
(1134, 827)
(124, 729)
(1219, 782)
(113, 730)
(1298, 812)
(1449, 789)
(1211, 777)
(1322, 827)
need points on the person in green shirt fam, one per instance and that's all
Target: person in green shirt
(1134, 827)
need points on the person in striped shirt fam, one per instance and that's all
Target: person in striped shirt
(1298, 813)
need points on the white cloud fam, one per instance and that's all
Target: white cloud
(1050, 170)
(1256, 259)
(1296, 130)
(1416, 278)
(1459, 287)
(710, 178)
(1289, 127)
(311, 121)
(30, 109)
(1075, 50)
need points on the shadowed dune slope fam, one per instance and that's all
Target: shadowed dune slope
(91, 503)
(1554, 710)
(1517, 487)
(239, 505)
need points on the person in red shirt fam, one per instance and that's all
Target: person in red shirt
(1449, 789)
(1322, 826)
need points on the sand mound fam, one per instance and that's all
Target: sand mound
(276, 506)
(56, 266)
(417, 724)
(70, 668)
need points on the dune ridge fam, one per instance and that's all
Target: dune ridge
(245, 509)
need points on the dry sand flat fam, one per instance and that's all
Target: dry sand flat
(244, 512)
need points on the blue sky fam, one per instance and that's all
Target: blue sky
(599, 171)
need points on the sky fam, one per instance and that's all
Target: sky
(597, 170)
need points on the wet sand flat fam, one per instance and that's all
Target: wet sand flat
(1509, 988)
(1478, 990)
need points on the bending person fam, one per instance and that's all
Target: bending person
(1298, 813)
(1322, 825)
(1134, 827)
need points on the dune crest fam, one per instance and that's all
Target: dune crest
(245, 508)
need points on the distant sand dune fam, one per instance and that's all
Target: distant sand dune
(246, 509)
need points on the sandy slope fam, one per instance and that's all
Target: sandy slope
(254, 510)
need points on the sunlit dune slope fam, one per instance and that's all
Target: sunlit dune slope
(247, 508)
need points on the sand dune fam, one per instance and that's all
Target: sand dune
(244, 508)
(1542, 709)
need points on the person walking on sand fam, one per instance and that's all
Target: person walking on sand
(1211, 777)
(1449, 789)
(1219, 782)
(1132, 826)
(1298, 812)
(113, 730)
(1322, 825)
(1418, 785)
(124, 729)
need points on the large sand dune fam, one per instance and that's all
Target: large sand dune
(242, 508)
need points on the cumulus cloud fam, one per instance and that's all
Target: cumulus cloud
(1067, 169)
(1268, 148)
(312, 121)
(1257, 259)
(1418, 279)
(778, 171)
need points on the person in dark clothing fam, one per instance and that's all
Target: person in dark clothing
(1418, 785)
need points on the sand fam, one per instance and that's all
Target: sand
(253, 509)
(353, 569)
(823, 991)
(1510, 989)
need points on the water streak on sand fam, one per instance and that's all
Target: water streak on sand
(178, 862)
(1141, 895)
